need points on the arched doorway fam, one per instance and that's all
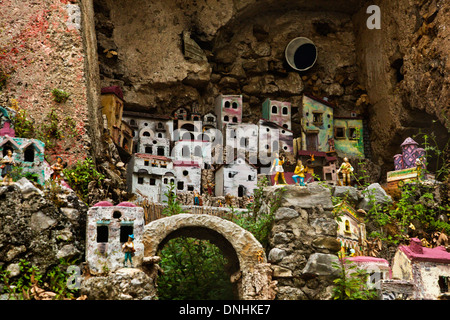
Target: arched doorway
(246, 257)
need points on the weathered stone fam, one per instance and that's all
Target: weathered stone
(346, 192)
(276, 254)
(285, 213)
(312, 196)
(281, 272)
(290, 293)
(27, 188)
(67, 251)
(330, 244)
(320, 264)
(40, 222)
(374, 194)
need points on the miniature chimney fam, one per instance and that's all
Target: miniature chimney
(416, 246)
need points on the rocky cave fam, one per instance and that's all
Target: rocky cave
(395, 76)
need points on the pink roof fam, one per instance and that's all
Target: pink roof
(408, 141)
(416, 252)
(103, 204)
(126, 204)
(366, 260)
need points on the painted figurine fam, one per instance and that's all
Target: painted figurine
(128, 248)
(6, 164)
(196, 198)
(278, 166)
(299, 174)
(346, 169)
(420, 165)
(57, 168)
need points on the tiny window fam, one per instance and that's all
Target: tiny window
(190, 188)
(250, 177)
(146, 163)
(230, 175)
(234, 105)
(29, 154)
(285, 110)
(226, 118)
(353, 133)
(347, 226)
(285, 126)
(160, 151)
(339, 132)
(444, 282)
(160, 135)
(180, 185)
(140, 180)
(185, 172)
(235, 119)
(152, 181)
(227, 104)
(274, 109)
(317, 118)
(117, 214)
(146, 134)
(148, 150)
(132, 122)
(102, 233)
(165, 180)
(210, 119)
(125, 231)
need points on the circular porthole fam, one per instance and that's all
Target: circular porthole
(117, 214)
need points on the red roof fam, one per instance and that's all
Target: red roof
(113, 89)
(152, 157)
(181, 163)
(416, 252)
(319, 100)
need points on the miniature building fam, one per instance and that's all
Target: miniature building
(228, 109)
(278, 112)
(377, 268)
(193, 150)
(237, 179)
(319, 164)
(317, 124)
(181, 113)
(209, 121)
(28, 154)
(348, 137)
(156, 126)
(108, 227)
(149, 176)
(427, 268)
(153, 142)
(410, 152)
(189, 176)
(242, 139)
(112, 108)
(351, 229)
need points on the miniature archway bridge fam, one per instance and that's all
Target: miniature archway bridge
(250, 270)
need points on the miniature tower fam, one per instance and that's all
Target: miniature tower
(278, 112)
(398, 162)
(409, 147)
(228, 109)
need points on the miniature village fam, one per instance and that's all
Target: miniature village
(106, 210)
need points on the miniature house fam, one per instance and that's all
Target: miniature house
(149, 176)
(193, 150)
(377, 268)
(28, 154)
(153, 142)
(241, 139)
(209, 121)
(148, 126)
(348, 137)
(317, 124)
(181, 113)
(237, 179)
(108, 227)
(278, 112)
(112, 108)
(319, 164)
(189, 176)
(427, 268)
(351, 229)
(410, 152)
(228, 109)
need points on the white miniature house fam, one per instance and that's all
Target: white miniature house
(108, 227)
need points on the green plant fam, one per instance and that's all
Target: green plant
(441, 156)
(80, 175)
(351, 284)
(23, 127)
(173, 205)
(255, 220)
(193, 269)
(60, 96)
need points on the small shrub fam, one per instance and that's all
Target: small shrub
(60, 96)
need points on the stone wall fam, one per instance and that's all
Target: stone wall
(303, 243)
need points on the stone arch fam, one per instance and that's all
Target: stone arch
(246, 255)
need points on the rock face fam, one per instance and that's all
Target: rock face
(39, 230)
(303, 243)
(124, 284)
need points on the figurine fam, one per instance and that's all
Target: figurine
(196, 198)
(420, 165)
(57, 168)
(6, 164)
(346, 169)
(128, 248)
(299, 174)
(278, 166)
